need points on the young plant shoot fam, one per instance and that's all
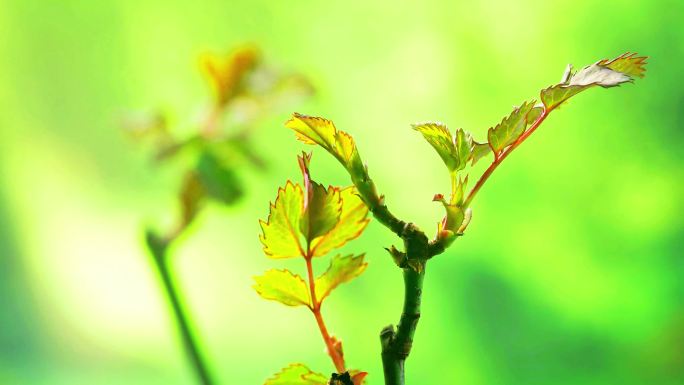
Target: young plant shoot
(302, 220)
(310, 222)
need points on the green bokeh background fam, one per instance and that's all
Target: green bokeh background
(571, 272)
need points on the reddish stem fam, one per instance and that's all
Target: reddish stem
(335, 355)
(503, 155)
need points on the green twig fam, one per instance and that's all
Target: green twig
(158, 248)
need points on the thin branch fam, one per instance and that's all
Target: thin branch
(159, 251)
(337, 359)
(497, 160)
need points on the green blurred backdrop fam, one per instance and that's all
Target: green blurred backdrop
(572, 270)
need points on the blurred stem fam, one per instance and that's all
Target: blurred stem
(159, 249)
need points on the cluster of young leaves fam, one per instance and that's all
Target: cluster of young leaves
(309, 222)
(456, 150)
(244, 90)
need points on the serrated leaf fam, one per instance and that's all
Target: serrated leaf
(604, 73)
(220, 181)
(297, 374)
(438, 136)
(313, 130)
(352, 222)
(341, 270)
(280, 233)
(283, 286)
(322, 212)
(321, 206)
(510, 129)
(627, 63)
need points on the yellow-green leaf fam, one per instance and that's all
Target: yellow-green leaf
(627, 63)
(313, 130)
(464, 145)
(297, 374)
(280, 237)
(321, 206)
(341, 270)
(479, 151)
(353, 220)
(604, 73)
(283, 286)
(316, 130)
(438, 136)
(510, 129)
(322, 211)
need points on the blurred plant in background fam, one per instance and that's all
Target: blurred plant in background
(245, 90)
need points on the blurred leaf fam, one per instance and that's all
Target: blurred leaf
(321, 207)
(510, 129)
(297, 374)
(219, 181)
(281, 231)
(604, 73)
(226, 73)
(191, 196)
(353, 220)
(283, 286)
(341, 270)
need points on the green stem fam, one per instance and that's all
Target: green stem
(396, 346)
(158, 248)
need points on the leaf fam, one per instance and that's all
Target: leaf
(280, 235)
(225, 73)
(604, 73)
(352, 222)
(627, 63)
(316, 130)
(534, 114)
(479, 151)
(220, 181)
(341, 270)
(464, 145)
(438, 136)
(283, 286)
(510, 129)
(297, 374)
(191, 196)
(313, 130)
(321, 206)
